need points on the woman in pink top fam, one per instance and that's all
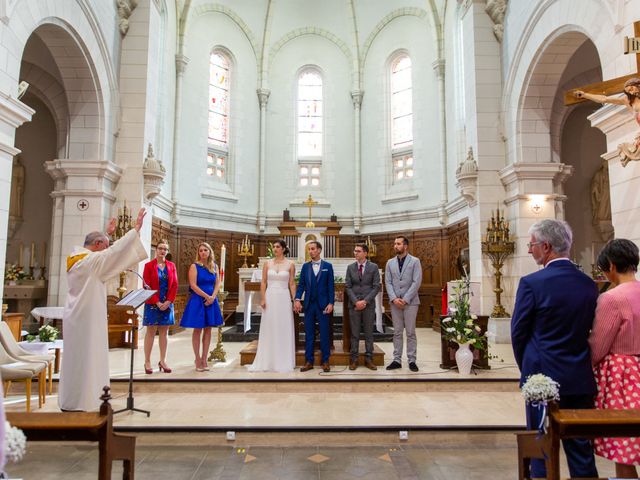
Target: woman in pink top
(615, 349)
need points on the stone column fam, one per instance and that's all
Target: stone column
(181, 66)
(439, 69)
(263, 97)
(83, 194)
(13, 113)
(356, 98)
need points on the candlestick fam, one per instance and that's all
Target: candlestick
(32, 256)
(44, 254)
(20, 253)
(223, 258)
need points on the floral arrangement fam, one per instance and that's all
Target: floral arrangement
(15, 443)
(540, 389)
(14, 272)
(46, 333)
(460, 325)
(270, 253)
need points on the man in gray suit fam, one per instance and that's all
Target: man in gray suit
(402, 277)
(362, 284)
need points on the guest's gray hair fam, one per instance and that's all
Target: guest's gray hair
(556, 233)
(93, 237)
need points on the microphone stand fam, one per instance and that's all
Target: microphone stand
(134, 327)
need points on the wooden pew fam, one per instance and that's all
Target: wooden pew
(569, 423)
(82, 426)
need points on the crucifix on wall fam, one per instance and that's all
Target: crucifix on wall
(310, 203)
(602, 92)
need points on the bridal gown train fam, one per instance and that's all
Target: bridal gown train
(276, 343)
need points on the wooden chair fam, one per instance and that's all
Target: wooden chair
(83, 426)
(531, 445)
(12, 370)
(19, 354)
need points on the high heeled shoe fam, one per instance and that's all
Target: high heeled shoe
(199, 368)
(163, 369)
(148, 371)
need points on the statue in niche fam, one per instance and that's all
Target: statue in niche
(17, 189)
(600, 195)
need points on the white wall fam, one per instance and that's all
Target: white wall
(411, 34)
(337, 175)
(199, 195)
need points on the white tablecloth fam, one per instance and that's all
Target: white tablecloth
(47, 313)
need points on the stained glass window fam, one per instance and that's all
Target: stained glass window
(218, 100)
(309, 175)
(401, 103)
(310, 115)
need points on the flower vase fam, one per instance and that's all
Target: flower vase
(464, 359)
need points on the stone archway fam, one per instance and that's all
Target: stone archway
(64, 86)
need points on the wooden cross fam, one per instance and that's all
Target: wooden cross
(608, 87)
(310, 203)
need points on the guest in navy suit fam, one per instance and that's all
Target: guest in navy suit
(553, 314)
(316, 283)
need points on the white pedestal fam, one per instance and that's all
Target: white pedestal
(499, 330)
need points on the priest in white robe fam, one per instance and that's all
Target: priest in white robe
(85, 363)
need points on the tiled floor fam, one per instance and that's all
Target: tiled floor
(482, 457)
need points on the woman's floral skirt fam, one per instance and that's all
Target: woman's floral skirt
(618, 379)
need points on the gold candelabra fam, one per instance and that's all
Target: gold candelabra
(372, 247)
(498, 247)
(218, 354)
(310, 203)
(246, 249)
(123, 225)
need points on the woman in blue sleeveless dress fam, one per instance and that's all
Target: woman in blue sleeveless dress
(202, 311)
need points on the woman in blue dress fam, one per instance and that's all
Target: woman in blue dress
(159, 274)
(202, 311)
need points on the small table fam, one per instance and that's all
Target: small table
(48, 315)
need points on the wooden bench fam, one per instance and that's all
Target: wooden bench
(82, 426)
(570, 423)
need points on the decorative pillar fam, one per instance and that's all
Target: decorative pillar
(13, 113)
(263, 97)
(83, 194)
(438, 68)
(356, 98)
(181, 65)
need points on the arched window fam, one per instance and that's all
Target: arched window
(401, 118)
(218, 138)
(309, 127)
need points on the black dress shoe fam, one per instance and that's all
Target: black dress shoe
(413, 367)
(394, 365)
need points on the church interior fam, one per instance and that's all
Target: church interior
(240, 122)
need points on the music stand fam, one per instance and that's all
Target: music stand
(134, 299)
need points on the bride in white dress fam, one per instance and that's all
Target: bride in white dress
(276, 343)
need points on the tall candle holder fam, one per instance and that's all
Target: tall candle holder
(498, 247)
(218, 354)
(246, 249)
(123, 225)
(372, 247)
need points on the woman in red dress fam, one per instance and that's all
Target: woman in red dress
(615, 349)
(160, 274)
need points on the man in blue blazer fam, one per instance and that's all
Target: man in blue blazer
(316, 283)
(553, 314)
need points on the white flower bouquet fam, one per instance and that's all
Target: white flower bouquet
(540, 389)
(15, 443)
(46, 333)
(460, 324)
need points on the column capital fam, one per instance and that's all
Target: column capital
(263, 96)
(181, 63)
(356, 98)
(13, 112)
(438, 67)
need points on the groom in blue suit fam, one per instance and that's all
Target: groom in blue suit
(553, 314)
(316, 283)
